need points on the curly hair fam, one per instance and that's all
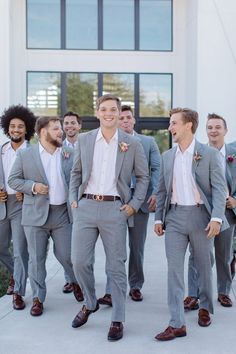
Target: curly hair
(22, 113)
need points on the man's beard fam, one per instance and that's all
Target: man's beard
(17, 139)
(52, 141)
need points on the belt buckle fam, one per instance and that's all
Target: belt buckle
(98, 197)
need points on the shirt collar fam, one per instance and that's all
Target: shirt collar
(223, 151)
(101, 137)
(9, 147)
(190, 148)
(42, 150)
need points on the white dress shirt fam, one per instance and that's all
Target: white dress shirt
(52, 167)
(8, 159)
(69, 144)
(102, 180)
(184, 189)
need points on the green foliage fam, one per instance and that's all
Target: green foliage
(162, 138)
(4, 280)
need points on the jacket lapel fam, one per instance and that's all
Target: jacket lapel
(122, 138)
(228, 173)
(90, 143)
(197, 156)
(170, 169)
(38, 161)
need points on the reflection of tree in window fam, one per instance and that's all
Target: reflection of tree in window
(121, 85)
(158, 108)
(81, 95)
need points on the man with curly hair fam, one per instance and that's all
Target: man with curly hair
(18, 124)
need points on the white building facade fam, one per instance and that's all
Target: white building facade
(193, 63)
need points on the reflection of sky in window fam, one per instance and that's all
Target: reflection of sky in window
(155, 24)
(118, 20)
(43, 23)
(153, 86)
(81, 24)
(41, 81)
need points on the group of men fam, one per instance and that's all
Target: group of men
(103, 183)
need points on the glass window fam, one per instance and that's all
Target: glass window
(121, 85)
(155, 94)
(118, 24)
(155, 25)
(162, 138)
(81, 24)
(82, 93)
(43, 93)
(43, 25)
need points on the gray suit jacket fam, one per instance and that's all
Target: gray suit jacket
(152, 154)
(27, 170)
(209, 178)
(231, 170)
(3, 211)
(126, 162)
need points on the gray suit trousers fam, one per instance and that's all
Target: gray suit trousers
(186, 224)
(92, 218)
(223, 256)
(59, 228)
(137, 238)
(11, 228)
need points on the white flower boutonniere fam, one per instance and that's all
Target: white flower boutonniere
(123, 147)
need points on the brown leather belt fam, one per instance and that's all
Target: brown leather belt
(101, 198)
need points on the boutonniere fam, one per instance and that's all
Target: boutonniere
(197, 157)
(123, 147)
(65, 153)
(231, 158)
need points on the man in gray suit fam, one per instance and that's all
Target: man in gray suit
(71, 126)
(191, 204)
(18, 124)
(216, 128)
(102, 203)
(138, 233)
(42, 173)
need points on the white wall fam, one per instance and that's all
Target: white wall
(216, 58)
(4, 54)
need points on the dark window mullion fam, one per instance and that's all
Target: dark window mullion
(100, 24)
(136, 24)
(63, 24)
(63, 94)
(136, 99)
(100, 84)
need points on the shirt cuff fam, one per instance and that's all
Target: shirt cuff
(217, 219)
(33, 191)
(158, 222)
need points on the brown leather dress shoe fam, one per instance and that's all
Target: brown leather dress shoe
(37, 308)
(78, 292)
(232, 266)
(191, 303)
(82, 317)
(11, 284)
(105, 300)
(115, 331)
(225, 300)
(136, 295)
(171, 333)
(18, 302)
(67, 288)
(204, 319)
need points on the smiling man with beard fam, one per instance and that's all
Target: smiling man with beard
(18, 124)
(42, 173)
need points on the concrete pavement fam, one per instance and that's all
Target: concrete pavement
(20, 333)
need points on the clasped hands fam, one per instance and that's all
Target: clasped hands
(4, 195)
(40, 188)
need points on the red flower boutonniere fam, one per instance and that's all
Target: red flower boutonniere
(123, 147)
(231, 158)
(197, 157)
(65, 153)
